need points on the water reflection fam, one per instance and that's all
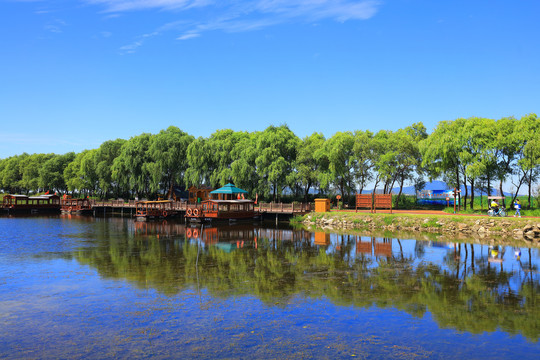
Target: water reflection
(467, 287)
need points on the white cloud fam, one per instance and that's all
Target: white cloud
(131, 5)
(55, 26)
(188, 36)
(240, 16)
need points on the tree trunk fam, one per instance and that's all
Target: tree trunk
(306, 192)
(530, 187)
(466, 191)
(458, 186)
(472, 192)
(402, 180)
(502, 194)
(521, 181)
(392, 185)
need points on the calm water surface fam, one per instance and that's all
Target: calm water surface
(83, 287)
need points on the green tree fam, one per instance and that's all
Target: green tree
(130, 168)
(168, 154)
(341, 162)
(104, 159)
(11, 175)
(210, 160)
(311, 162)
(243, 168)
(440, 153)
(276, 149)
(528, 159)
(30, 168)
(72, 173)
(51, 174)
(363, 142)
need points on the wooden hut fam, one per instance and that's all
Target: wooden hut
(199, 194)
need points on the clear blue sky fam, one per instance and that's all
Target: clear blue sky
(75, 73)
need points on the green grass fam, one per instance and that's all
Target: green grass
(296, 220)
(432, 223)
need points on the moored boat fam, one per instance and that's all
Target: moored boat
(145, 210)
(31, 204)
(75, 206)
(222, 210)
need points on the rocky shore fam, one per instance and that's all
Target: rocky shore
(449, 225)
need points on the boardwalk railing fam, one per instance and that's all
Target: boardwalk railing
(177, 205)
(285, 208)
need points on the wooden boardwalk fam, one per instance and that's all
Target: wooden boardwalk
(182, 206)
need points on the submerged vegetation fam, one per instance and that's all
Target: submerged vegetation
(477, 152)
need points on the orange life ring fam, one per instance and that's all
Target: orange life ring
(189, 212)
(70, 208)
(195, 233)
(188, 233)
(164, 214)
(195, 212)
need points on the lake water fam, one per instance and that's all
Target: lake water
(83, 287)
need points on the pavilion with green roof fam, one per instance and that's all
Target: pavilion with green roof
(228, 192)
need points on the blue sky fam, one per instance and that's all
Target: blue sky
(79, 72)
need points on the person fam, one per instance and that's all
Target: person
(517, 206)
(495, 207)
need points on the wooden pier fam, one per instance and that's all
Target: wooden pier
(104, 207)
(128, 208)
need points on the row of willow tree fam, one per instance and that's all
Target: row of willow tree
(477, 152)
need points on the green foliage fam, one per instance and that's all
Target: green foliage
(476, 152)
(276, 154)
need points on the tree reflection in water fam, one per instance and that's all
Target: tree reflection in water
(459, 284)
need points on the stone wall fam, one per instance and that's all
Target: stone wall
(526, 229)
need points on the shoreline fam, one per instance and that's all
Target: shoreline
(449, 227)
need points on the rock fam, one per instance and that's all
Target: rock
(482, 229)
(527, 228)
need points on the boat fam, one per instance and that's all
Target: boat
(227, 203)
(75, 206)
(31, 204)
(222, 210)
(159, 209)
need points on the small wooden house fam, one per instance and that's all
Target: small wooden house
(199, 194)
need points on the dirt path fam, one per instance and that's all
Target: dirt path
(426, 212)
